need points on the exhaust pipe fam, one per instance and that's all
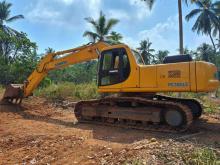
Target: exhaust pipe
(13, 93)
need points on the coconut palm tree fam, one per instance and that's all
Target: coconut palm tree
(7, 34)
(102, 27)
(207, 18)
(49, 50)
(160, 55)
(146, 51)
(205, 52)
(5, 16)
(115, 37)
(150, 4)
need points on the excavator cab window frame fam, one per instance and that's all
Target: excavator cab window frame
(117, 71)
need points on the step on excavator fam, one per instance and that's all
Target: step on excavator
(134, 85)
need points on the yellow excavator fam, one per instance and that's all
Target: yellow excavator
(134, 85)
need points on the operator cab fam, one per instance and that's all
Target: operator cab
(114, 67)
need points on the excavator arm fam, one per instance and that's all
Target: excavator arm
(52, 61)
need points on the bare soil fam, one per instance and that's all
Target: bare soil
(39, 133)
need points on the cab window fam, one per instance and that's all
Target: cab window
(114, 67)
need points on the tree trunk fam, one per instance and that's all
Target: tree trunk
(180, 27)
(219, 40)
(213, 43)
(180, 32)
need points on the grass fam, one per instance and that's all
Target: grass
(68, 91)
(202, 156)
(195, 156)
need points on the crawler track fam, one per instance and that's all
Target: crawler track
(133, 112)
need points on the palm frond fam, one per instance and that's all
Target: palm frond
(215, 31)
(191, 1)
(216, 11)
(95, 24)
(192, 14)
(91, 20)
(110, 24)
(150, 3)
(14, 18)
(199, 3)
(91, 35)
(102, 24)
(217, 3)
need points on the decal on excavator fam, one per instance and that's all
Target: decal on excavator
(180, 84)
(174, 74)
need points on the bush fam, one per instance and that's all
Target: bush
(68, 91)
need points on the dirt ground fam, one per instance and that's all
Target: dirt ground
(39, 133)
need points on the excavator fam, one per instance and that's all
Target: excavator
(131, 87)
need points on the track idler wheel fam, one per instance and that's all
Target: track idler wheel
(174, 118)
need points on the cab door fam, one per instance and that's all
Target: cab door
(113, 68)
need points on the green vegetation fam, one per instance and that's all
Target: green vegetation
(18, 55)
(192, 156)
(146, 51)
(114, 37)
(201, 156)
(79, 73)
(160, 55)
(210, 106)
(68, 91)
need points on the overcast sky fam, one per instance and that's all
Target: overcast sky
(60, 23)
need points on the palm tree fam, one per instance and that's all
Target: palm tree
(205, 52)
(207, 18)
(150, 3)
(7, 33)
(5, 16)
(49, 50)
(115, 37)
(146, 51)
(161, 54)
(102, 27)
(186, 51)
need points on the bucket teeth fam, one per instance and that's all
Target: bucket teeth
(13, 93)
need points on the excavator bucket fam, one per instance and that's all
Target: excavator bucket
(13, 94)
